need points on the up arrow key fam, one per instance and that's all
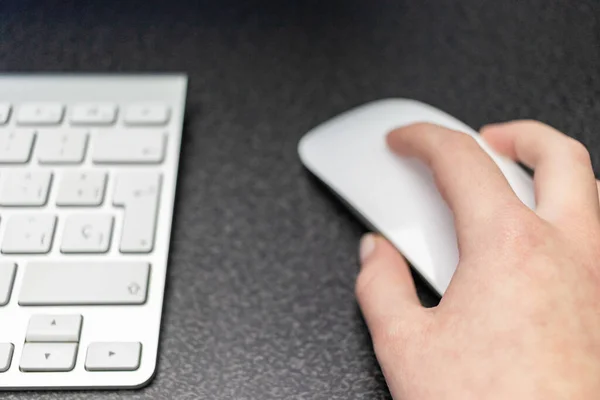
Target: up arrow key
(53, 329)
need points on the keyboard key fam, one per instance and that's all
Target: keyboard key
(48, 357)
(81, 188)
(87, 233)
(138, 193)
(80, 283)
(24, 188)
(53, 328)
(118, 356)
(147, 114)
(7, 277)
(61, 146)
(93, 114)
(6, 353)
(4, 113)
(124, 147)
(29, 234)
(40, 114)
(16, 146)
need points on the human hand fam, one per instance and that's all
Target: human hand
(521, 317)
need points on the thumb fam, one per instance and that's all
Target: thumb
(385, 289)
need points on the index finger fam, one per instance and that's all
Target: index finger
(468, 179)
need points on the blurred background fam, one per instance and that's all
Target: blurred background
(259, 301)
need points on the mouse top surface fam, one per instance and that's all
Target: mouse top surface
(396, 196)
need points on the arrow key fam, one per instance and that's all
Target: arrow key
(48, 357)
(6, 352)
(113, 356)
(53, 328)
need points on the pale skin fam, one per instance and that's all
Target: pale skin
(521, 317)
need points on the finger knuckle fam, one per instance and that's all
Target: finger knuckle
(390, 337)
(364, 282)
(534, 124)
(403, 340)
(526, 247)
(386, 333)
(455, 142)
(578, 151)
(520, 231)
(422, 126)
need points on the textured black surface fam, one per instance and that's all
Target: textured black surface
(260, 302)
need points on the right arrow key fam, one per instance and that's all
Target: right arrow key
(113, 356)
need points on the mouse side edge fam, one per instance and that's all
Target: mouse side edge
(372, 227)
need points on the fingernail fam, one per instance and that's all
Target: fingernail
(367, 246)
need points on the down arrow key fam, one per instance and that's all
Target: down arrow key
(48, 357)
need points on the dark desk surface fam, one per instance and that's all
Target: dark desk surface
(259, 302)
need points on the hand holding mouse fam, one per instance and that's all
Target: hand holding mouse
(521, 316)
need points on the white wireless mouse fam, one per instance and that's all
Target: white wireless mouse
(396, 196)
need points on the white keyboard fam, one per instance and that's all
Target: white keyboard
(88, 167)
